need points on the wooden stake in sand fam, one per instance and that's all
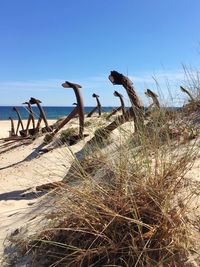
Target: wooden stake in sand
(98, 106)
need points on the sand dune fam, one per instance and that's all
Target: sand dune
(21, 169)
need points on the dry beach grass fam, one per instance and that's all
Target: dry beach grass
(127, 202)
(122, 198)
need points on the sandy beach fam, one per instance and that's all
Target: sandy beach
(23, 167)
(5, 126)
(21, 170)
(99, 134)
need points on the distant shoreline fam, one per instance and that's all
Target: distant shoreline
(52, 112)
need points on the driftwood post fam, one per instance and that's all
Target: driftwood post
(79, 109)
(98, 107)
(19, 120)
(122, 106)
(135, 112)
(42, 115)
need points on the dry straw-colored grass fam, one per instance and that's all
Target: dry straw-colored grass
(131, 206)
(130, 209)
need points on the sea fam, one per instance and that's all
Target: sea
(51, 112)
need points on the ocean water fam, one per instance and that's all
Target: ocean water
(51, 112)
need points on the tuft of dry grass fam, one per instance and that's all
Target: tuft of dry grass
(131, 205)
(66, 134)
(128, 211)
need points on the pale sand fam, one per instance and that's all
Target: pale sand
(5, 126)
(22, 168)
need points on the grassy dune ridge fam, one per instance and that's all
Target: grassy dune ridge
(126, 202)
(129, 197)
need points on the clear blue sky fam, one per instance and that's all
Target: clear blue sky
(45, 42)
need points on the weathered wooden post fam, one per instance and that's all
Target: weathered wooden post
(122, 106)
(98, 107)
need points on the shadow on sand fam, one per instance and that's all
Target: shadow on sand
(20, 195)
(33, 155)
